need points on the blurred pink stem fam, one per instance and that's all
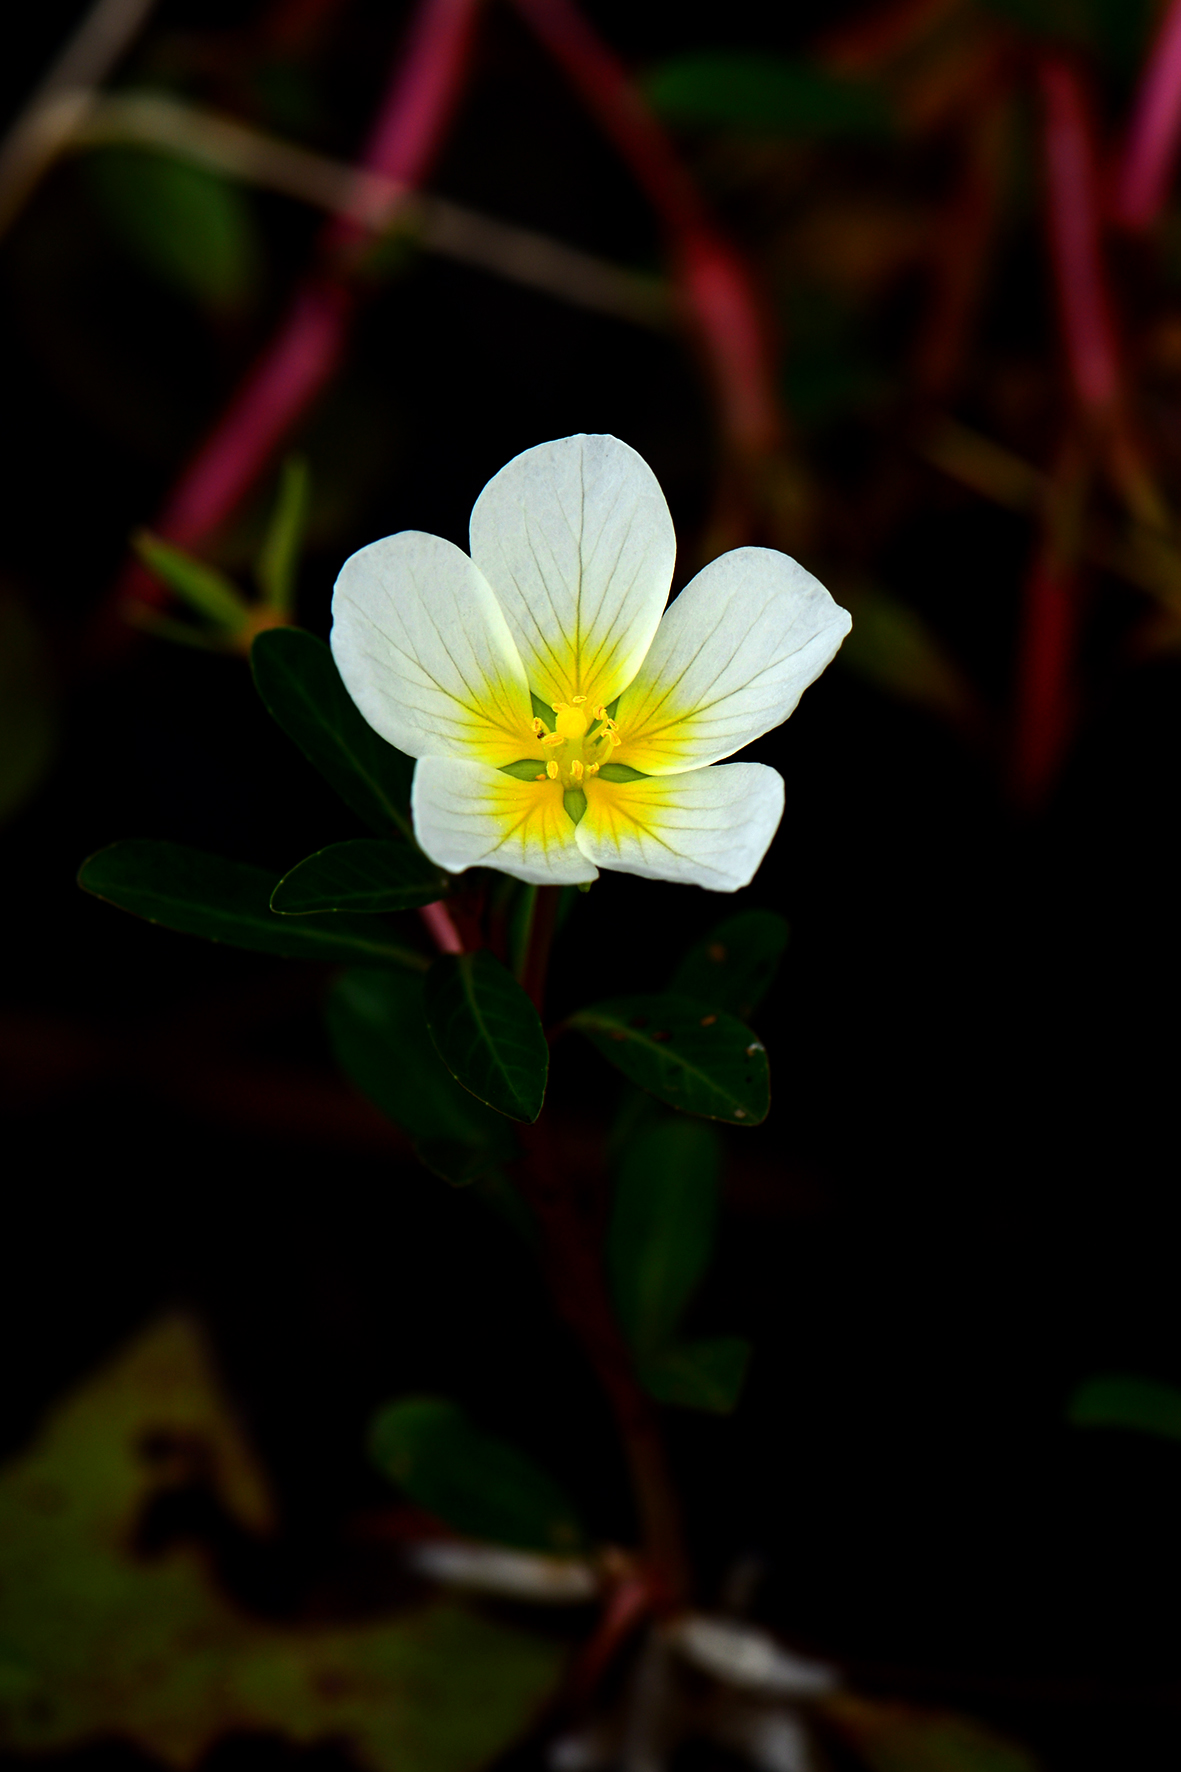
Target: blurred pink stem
(1146, 168)
(442, 931)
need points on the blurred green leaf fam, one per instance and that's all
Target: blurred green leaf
(229, 901)
(706, 1374)
(694, 1058)
(479, 1485)
(183, 223)
(1143, 1404)
(488, 1033)
(278, 560)
(101, 1643)
(201, 586)
(364, 874)
(892, 646)
(661, 1234)
(28, 707)
(297, 678)
(377, 1026)
(765, 93)
(891, 1737)
(734, 966)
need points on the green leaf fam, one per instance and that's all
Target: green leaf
(201, 586)
(377, 1026)
(278, 560)
(186, 225)
(662, 1227)
(734, 966)
(1144, 1404)
(298, 680)
(365, 874)
(704, 1374)
(897, 652)
(701, 1060)
(488, 1033)
(29, 724)
(765, 93)
(229, 901)
(481, 1486)
(891, 1737)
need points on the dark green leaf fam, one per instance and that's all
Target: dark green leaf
(365, 874)
(377, 1025)
(278, 560)
(481, 1486)
(662, 1227)
(1144, 1404)
(766, 93)
(298, 680)
(201, 586)
(28, 707)
(488, 1033)
(701, 1060)
(734, 966)
(188, 226)
(229, 901)
(703, 1374)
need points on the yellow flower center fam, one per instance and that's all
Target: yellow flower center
(580, 742)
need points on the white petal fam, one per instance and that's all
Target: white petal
(576, 540)
(468, 815)
(424, 650)
(731, 658)
(707, 827)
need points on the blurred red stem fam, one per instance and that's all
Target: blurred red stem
(436, 919)
(1045, 701)
(1146, 168)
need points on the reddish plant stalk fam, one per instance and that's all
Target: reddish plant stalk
(436, 919)
(714, 286)
(1146, 166)
(1045, 695)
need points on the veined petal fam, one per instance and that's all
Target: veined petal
(576, 540)
(731, 658)
(425, 652)
(707, 827)
(469, 815)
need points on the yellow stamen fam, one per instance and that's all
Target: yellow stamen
(552, 770)
(538, 727)
(576, 770)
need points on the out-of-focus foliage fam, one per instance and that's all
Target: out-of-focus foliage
(903, 1738)
(764, 93)
(97, 1641)
(1143, 1404)
(28, 706)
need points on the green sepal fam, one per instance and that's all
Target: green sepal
(278, 559)
(201, 586)
(661, 1234)
(297, 678)
(478, 1484)
(621, 772)
(524, 769)
(364, 874)
(734, 966)
(377, 1026)
(574, 803)
(229, 901)
(707, 1373)
(488, 1033)
(692, 1057)
(1143, 1404)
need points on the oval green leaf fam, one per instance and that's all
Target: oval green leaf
(296, 676)
(229, 901)
(488, 1033)
(365, 874)
(704, 1374)
(701, 1060)
(734, 966)
(661, 1234)
(480, 1485)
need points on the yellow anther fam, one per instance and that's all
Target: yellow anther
(593, 768)
(552, 770)
(540, 777)
(576, 770)
(553, 738)
(600, 713)
(576, 701)
(538, 727)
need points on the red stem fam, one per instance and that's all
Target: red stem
(1146, 168)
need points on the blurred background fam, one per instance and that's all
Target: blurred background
(890, 287)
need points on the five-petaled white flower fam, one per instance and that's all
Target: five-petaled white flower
(563, 719)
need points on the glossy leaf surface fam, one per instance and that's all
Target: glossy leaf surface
(1143, 1404)
(488, 1033)
(365, 874)
(478, 1484)
(701, 1060)
(377, 1025)
(295, 674)
(735, 965)
(706, 1373)
(229, 901)
(662, 1227)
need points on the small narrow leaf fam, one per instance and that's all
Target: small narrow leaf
(662, 1227)
(298, 680)
(481, 1486)
(278, 560)
(201, 586)
(229, 901)
(377, 1026)
(365, 874)
(488, 1033)
(1143, 1404)
(735, 965)
(701, 1060)
(704, 1374)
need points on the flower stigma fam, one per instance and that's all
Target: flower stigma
(581, 741)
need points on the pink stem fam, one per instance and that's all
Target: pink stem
(714, 284)
(1146, 168)
(1073, 226)
(1044, 701)
(442, 931)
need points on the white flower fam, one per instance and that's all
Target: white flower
(564, 720)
